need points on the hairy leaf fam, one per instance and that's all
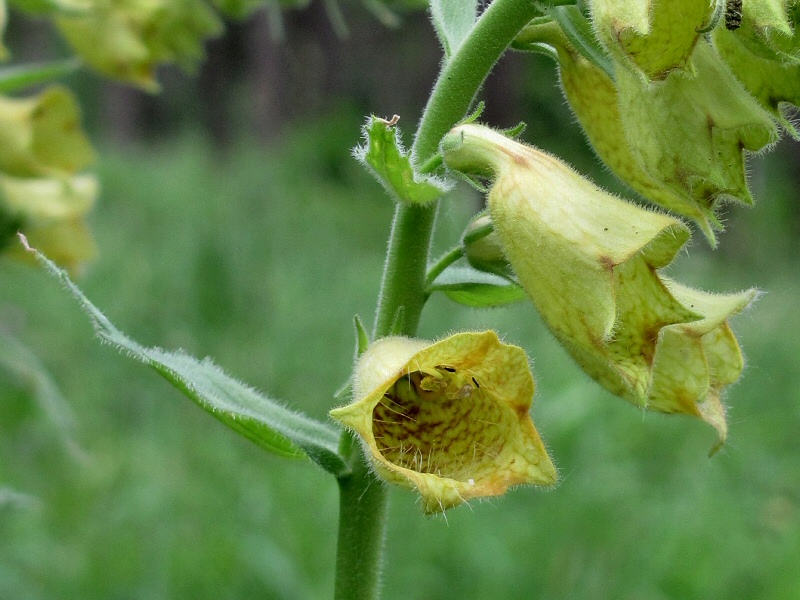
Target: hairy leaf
(240, 407)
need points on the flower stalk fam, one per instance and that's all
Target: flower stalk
(404, 277)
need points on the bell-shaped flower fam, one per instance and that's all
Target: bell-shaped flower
(51, 213)
(41, 136)
(590, 263)
(128, 39)
(689, 131)
(594, 99)
(652, 36)
(449, 418)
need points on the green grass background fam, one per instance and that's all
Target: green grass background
(261, 258)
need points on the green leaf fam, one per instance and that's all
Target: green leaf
(251, 414)
(20, 77)
(453, 20)
(383, 155)
(579, 31)
(479, 289)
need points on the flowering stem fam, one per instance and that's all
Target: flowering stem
(362, 520)
(362, 499)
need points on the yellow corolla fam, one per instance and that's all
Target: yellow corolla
(449, 418)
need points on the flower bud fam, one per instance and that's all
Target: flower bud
(450, 418)
(41, 136)
(589, 262)
(482, 246)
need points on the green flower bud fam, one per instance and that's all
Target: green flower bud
(50, 212)
(482, 246)
(654, 36)
(590, 263)
(450, 418)
(128, 39)
(41, 136)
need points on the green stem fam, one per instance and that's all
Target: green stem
(459, 81)
(440, 265)
(362, 527)
(362, 516)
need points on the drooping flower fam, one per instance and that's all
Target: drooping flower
(590, 263)
(668, 116)
(449, 418)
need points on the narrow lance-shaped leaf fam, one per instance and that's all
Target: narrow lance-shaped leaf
(251, 414)
(383, 155)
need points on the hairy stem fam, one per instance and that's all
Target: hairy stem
(362, 520)
(362, 517)
(459, 81)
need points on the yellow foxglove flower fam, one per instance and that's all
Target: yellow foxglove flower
(768, 28)
(689, 130)
(51, 213)
(41, 136)
(771, 81)
(654, 36)
(128, 39)
(3, 21)
(450, 418)
(593, 96)
(590, 262)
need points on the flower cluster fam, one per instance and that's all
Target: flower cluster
(43, 190)
(128, 39)
(689, 90)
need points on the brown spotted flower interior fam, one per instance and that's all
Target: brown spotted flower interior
(440, 421)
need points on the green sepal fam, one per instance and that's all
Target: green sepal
(398, 321)
(19, 77)
(262, 420)
(475, 114)
(579, 32)
(382, 154)
(362, 337)
(471, 287)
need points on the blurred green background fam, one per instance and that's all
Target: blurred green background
(253, 237)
